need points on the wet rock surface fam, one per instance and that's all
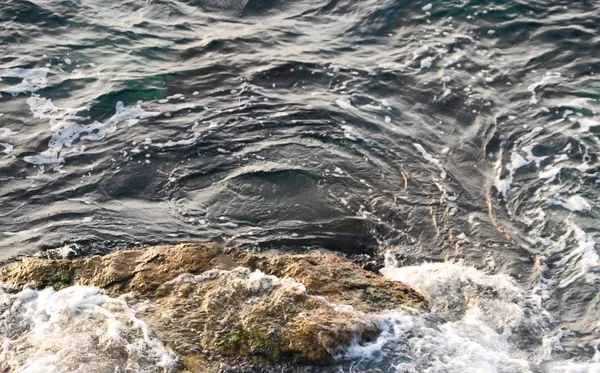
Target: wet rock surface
(210, 304)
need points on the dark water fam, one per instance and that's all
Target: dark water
(467, 131)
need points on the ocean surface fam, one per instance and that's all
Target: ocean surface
(457, 139)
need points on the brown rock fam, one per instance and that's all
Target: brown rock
(336, 278)
(205, 301)
(246, 313)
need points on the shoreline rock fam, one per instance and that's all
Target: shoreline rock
(207, 302)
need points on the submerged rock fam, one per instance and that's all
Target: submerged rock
(206, 302)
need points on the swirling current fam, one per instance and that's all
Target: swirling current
(459, 139)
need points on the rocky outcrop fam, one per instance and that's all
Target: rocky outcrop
(245, 313)
(336, 278)
(205, 301)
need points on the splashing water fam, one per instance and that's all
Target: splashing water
(77, 329)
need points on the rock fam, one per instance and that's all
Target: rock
(241, 312)
(120, 272)
(336, 278)
(206, 302)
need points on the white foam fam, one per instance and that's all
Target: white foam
(171, 143)
(349, 133)
(548, 78)
(577, 103)
(582, 260)
(66, 127)
(466, 289)
(33, 80)
(573, 367)
(74, 329)
(4, 134)
(426, 62)
(230, 224)
(586, 123)
(429, 158)
(549, 172)
(572, 203)
(8, 148)
(344, 103)
(473, 318)
(517, 161)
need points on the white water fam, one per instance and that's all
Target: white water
(77, 329)
(478, 323)
(33, 80)
(473, 321)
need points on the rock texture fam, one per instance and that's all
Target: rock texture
(206, 301)
(244, 313)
